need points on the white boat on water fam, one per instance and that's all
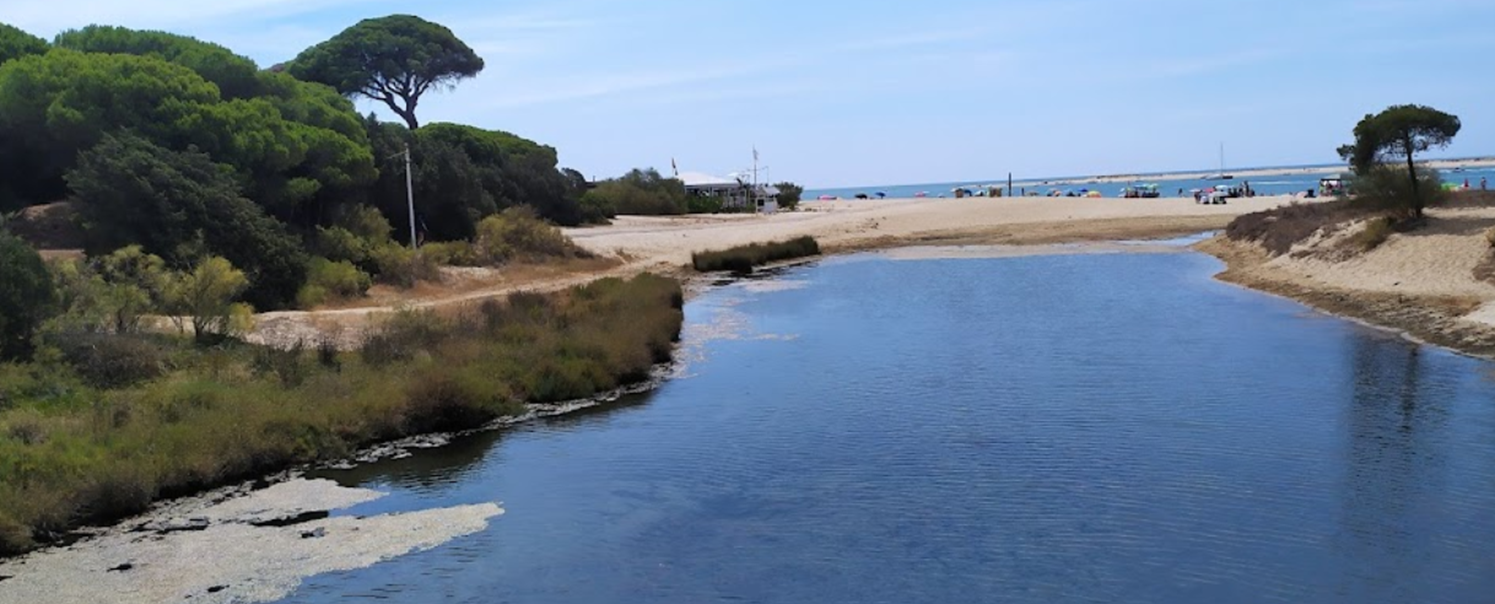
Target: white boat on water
(1221, 175)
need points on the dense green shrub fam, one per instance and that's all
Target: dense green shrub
(327, 280)
(453, 253)
(403, 267)
(297, 144)
(789, 195)
(519, 234)
(179, 205)
(1386, 187)
(639, 192)
(15, 43)
(744, 258)
(26, 295)
(113, 360)
(235, 76)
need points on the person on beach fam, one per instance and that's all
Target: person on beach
(1483, 186)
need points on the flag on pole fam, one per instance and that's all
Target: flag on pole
(755, 152)
(674, 167)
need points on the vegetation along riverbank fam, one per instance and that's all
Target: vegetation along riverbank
(96, 432)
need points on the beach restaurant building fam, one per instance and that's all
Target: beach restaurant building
(733, 192)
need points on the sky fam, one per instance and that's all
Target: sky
(892, 92)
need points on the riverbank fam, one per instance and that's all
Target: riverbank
(1425, 284)
(80, 452)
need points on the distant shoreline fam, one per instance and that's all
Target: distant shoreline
(1240, 174)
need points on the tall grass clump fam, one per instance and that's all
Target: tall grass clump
(95, 444)
(743, 259)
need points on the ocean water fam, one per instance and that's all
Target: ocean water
(1264, 185)
(1100, 428)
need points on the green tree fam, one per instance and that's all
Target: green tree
(181, 205)
(789, 194)
(1400, 132)
(16, 43)
(237, 77)
(514, 171)
(26, 296)
(109, 294)
(299, 143)
(206, 294)
(639, 192)
(55, 105)
(394, 60)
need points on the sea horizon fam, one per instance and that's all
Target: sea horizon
(1274, 185)
(1138, 175)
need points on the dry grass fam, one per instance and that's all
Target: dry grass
(1278, 230)
(73, 454)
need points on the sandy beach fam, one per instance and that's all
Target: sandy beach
(870, 224)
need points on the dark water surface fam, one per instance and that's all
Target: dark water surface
(1114, 428)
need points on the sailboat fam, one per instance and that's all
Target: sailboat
(1221, 175)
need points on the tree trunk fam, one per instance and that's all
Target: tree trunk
(408, 114)
(1412, 173)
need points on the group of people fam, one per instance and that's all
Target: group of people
(1483, 184)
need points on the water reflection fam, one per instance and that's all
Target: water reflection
(1394, 464)
(1115, 428)
(432, 469)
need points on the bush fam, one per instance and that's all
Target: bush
(1387, 188)
(1376, 231)
(405, 334)
(639, 193)
(742, 259)
(789, 194)
(340, 244)
(26, 296)
(183, 206)
(402, 267)
(327, 280)
(452, 253)
(113, 360)
(520, 234)
(286, 364)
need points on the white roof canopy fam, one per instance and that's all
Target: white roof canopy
(697, 180)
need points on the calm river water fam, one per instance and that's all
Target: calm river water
(1099, 428)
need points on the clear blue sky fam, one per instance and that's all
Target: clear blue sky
(885, 92)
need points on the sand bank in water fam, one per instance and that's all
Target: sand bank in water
(209, 550)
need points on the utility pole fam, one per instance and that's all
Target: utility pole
(754, 201)
(410, 195)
